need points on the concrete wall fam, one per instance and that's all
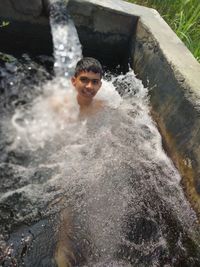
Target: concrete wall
(28, 29)
(104, 33)
(172, 75)
(25, 10)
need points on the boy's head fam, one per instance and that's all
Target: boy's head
(88, 64)
(87, 79)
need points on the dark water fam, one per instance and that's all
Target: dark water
(97, 191)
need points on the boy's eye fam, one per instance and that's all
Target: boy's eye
(95, 82)
(84, 79)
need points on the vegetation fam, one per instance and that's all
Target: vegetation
(183, 16)
(4, 57)
(4, 23)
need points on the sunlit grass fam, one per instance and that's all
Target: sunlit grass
(183, 16)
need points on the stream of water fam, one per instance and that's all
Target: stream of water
(94, 190)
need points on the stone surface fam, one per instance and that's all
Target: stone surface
(33, 11)
(28, 7)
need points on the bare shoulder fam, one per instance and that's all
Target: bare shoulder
(98, 103)
(57, 103)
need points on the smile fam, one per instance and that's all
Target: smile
(88, 93)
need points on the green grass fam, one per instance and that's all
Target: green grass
(3, 24)
(183, 16)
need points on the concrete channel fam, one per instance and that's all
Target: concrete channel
(128, 33)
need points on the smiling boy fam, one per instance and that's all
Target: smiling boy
(87, 80)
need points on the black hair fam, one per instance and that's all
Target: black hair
(88, 64)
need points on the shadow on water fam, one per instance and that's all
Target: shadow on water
(96, 192)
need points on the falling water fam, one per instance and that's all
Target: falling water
(67, 48)
(92, 190)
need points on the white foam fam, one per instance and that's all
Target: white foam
(48, 115)
(109, 94)
(110, 165)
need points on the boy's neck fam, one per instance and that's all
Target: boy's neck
(83, 102)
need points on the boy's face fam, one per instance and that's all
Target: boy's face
(87, 84)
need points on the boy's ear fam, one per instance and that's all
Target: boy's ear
(73, 80)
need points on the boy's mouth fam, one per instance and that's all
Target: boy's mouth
(88, 93)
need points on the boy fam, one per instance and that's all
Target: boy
(87, 82)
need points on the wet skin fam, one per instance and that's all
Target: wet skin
(87, 84)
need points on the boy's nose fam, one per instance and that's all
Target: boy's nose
(89, 85)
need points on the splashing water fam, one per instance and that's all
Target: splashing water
(119, 195)
(95, 190)
(40, 122)
(40, 117)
